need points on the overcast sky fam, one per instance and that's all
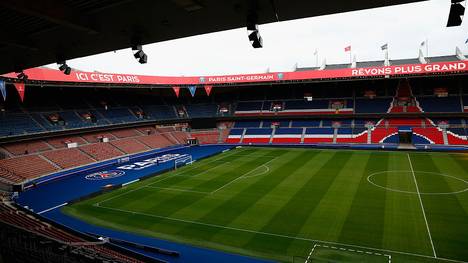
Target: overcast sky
(403, 27)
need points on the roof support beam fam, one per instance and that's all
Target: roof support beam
(53, 11)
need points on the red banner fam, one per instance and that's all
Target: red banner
(176, 90)
(208, 89)
(20, 88)
(45, 74)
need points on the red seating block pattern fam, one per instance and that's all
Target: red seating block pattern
(155, 141)
(30, 166)
(67, 158)
(94, 137)
(101, 151)
(125, 133)
(130, 145)
(31, 147)
(59, 143)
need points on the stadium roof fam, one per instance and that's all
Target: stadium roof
(446, 65)
(36, 33)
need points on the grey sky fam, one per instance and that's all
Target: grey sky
(403, 27)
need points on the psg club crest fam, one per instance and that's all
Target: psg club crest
(202, 79)
(104, 175)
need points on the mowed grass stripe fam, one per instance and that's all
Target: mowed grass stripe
(139, 186)
(332, 211)
(292, 215)
(212, 179)
(442, 211)
(178, 201)
(259, 214)
(245, 195)
(365, 222)
(404, 225)
(201, 167)
(214, 203)
(273, 200)
(157, 198)
(402, 219)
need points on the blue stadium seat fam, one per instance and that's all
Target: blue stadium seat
(320, 131)
(378, 105)
(258, 131)
(249, 106)
(447, 104)
(314, 123)
(288, 131)
(247, 124)
(202, 110)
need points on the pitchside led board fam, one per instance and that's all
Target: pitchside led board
(44, 74)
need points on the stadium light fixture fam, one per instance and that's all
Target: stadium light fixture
(64, 67)
(22, 76)
(67, 71)
(457, 11)
(255, 39)
(140, 54)
(253, 32)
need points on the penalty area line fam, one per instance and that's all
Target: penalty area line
(357, 251)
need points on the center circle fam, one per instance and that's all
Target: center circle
(434, 189)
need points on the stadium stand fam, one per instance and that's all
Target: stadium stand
(61, 142)
(377, 105)
(17, 124)
(155, 141)
(96, 137)
(257, 135)
(33, 230)
(28, 167)
(202, 110)
(22, 148)
(381, 135)
(432, 134)
(68, 158)
(360, 125)
(319, 135)
(206, 137)
(288, 135)
(433, 104)
(101, 151)
(130, 145)
(125, 133)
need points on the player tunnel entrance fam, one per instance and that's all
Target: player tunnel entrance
(405, 135)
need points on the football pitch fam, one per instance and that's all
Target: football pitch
(302, 205)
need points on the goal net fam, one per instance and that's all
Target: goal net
(182, 161)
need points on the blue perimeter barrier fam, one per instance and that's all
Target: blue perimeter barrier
(47, 194)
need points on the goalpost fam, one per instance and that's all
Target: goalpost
(182, 161)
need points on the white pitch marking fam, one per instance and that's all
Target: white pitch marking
(242, 176)
(422, 206)
(52, 208)
(131, 182)
(277, 235)
(346, 249)
(310, 254)
(162, 179)
(177, 189)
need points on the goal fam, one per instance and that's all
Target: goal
(182, 161)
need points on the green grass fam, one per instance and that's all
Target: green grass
(279, 203)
